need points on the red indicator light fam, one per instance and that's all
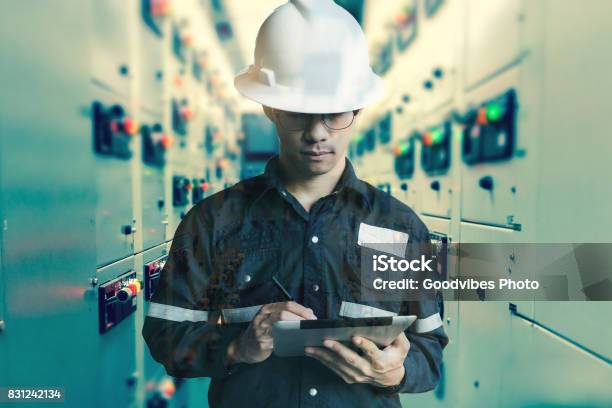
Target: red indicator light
(130, 126)
(481, 119)
(166, 141)
(186, 113)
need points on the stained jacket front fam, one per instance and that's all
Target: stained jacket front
(223, 257)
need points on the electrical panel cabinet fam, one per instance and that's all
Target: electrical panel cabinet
(436, 188)
(493, 38)
(495, 160)
(111, 58)
(155, 143)
(115, 326)
(115, 225)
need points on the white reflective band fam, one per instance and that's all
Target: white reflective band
(240, 315)
(176, 314)
(355, 310)
(427, 324)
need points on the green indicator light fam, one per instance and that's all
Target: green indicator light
(359, 137)
(436, 136)
(494, 112)
(404, 149)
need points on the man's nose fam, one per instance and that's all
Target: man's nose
(316, 130)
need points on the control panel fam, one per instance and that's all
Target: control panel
(489, 133)
(182, 40)
(404, 159)
(440, 243)
(181, 115)
(435, 153)
(181, 186)
(113, 130)
(155, 143)
(384, 128)
(117, 300)
(370, 139)
(199, 190)
(151, 274)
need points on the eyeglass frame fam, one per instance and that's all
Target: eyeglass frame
(323, 115)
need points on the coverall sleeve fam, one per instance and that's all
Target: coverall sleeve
(426, 335)
(180, 328)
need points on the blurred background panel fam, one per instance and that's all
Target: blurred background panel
(117, 116)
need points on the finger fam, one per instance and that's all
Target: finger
(348, 356)
(259, 317)
(400, 343)
(286, 315)
(292, 307)
(371, 350)
(296, 308)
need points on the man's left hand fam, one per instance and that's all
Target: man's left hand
(379, 367)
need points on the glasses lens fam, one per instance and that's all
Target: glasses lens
(340, 120)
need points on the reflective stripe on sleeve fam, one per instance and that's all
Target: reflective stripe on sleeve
(240, 315)
(355, 310)
(427, 324)
(176, 314)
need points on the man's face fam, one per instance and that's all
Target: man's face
(313, 148)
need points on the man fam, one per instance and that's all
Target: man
(294, 232)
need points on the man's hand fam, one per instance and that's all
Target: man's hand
(382, 368)
(256, 343)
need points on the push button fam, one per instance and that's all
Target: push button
(313, 392)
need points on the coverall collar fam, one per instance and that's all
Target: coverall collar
(348, 180)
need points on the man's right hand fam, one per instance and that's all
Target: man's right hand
(255, 344)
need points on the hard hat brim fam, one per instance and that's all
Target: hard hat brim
(366, 92)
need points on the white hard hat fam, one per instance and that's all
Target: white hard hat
(311, 56)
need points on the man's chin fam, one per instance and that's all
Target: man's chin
(318, 168)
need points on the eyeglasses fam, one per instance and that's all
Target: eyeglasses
(300, 121)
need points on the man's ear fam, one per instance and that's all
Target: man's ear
(269, 112)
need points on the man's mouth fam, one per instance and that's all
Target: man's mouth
(316, 153)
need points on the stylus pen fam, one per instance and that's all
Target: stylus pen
(281, 287)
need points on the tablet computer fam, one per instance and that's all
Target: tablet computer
(291, 336)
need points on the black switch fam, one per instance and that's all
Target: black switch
(435, 185)
(126, 229)
(486, 182)
(404, 186)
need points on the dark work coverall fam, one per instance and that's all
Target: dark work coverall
(223, 257)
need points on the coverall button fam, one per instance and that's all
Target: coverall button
(247, 278)
(315, 239)
(313, 391)
(315, 287)
(284, 194)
